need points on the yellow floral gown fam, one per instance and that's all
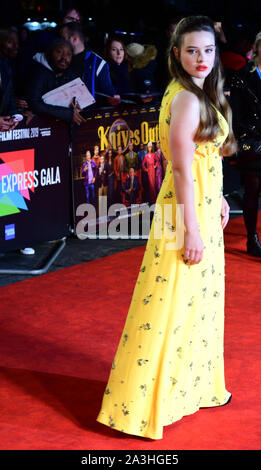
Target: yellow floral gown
(169, 361)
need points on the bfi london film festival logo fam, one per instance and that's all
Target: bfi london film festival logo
(168, 221)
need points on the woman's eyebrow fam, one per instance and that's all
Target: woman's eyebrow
(196, 47)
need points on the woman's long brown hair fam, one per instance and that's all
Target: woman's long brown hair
(212, 92)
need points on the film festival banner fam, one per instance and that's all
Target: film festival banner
(119, 173)
(35, 184)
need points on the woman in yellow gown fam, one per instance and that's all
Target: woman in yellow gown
(169, 361)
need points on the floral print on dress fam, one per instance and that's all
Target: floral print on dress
(169, 362)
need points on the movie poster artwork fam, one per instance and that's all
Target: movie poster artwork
(117, 154)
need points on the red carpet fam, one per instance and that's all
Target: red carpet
(59, 333)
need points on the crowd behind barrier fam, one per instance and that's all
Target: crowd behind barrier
(123, 76)
(115, 153)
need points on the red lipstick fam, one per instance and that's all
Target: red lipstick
(201, 68)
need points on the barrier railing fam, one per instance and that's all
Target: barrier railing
(41, 171)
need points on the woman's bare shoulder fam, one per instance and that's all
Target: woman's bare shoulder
(185, 100)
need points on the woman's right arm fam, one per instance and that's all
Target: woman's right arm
(184, 121)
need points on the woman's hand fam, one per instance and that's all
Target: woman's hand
(193, 247)
(224, 213)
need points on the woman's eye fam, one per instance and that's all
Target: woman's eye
(209, 51)
(192, 51)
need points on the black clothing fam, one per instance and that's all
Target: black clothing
(44, 79)
(143, 79)
(7, 97)
(245, 101)
(252, 189)
(119, 77)
(78, 63)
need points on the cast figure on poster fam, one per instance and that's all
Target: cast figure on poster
(131, 187)
(96, 155)
(118, 165)
(144, 175)
(131, 159)
(102, 177)
(159, 167)
(149, 164)
(89, 172)
(110, 175)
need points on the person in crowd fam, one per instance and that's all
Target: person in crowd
(149, 164)
(7, 98)
(9, 48)
(116, 56)
(234, 53)
(9, 44)
(93, 69)
(118, 166)
(102, 177)
(220, 35)
(245, 100)
(143, 67)
(131, 187)
(70, 15)
(159, 167)
(166, 29)
(51, 70)
(89, 172)
(131, 159)
(110, 174)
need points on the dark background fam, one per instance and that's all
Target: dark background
(112, 13)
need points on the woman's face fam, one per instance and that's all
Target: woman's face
(119, 150)
(197, 55)
(116, 52)
(62, 57)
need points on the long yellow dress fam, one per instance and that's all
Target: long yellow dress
(169, 361)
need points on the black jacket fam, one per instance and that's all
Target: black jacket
(7, 97)
(44, 79)
(245, 101)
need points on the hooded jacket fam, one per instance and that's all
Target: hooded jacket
(44, 79)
